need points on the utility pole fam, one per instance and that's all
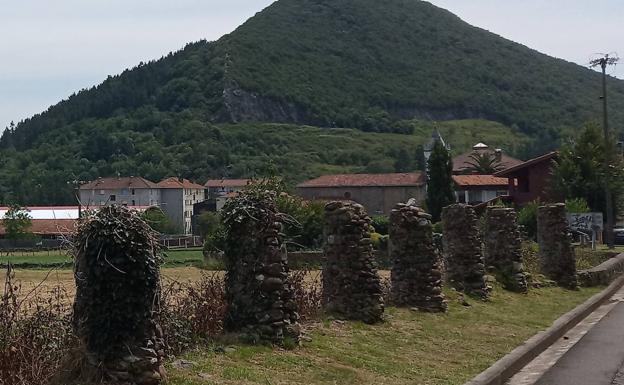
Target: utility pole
(603, 62)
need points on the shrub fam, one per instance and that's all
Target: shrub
(35, 334)
(438, 228)
(527, 219)
(381, 223)
(577, 205)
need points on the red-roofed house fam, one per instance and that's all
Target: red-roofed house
(222, 187)
(175, 196)
(378, 193)
(531, 180)
(462, 163)
(130, 191)
(475, 189)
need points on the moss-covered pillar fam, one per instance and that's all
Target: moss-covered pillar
(351, 285)
(258, 290)
(416, 265)
(503, 248)
(555, 249)
(462, 248)
(117, 287)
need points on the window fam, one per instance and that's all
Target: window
(112, 198)
(132, 193)
(133, 202)
(124, 191)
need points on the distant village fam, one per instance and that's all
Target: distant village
(183, 201)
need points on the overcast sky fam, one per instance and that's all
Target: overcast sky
(50, 49)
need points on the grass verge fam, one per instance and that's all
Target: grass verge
(410, 348)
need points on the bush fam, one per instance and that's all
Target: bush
(381, 223)
(303, 225)
(209, 224)
(35, 334)
(577, 206)
(527, 219)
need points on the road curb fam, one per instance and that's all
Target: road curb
(506, 367)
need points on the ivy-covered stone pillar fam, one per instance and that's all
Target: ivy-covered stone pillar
(416, 264)
(117, 289)
(503, 248)
(555, 248)
(462, 248)
(258, 290)
(351, 285)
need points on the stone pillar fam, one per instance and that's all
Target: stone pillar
(503, 248)
(258, 290)
(555, 249)
(117, 286)
(351, 285)
(462, 248)
(416, 264)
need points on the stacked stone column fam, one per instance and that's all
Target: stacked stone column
(503, 246)
(258, 291)
(555, 249)
(416, 264)
(351, 285)
(462, 248)
(117, 287)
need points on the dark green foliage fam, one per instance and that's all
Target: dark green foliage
(369, 64)
(381, 224)
(527, 219)
(158, 220)
(580, 173)
(440, 182)
(208, 224)
(117, 281)
(419, 159)
(17, 223)
(304, 227)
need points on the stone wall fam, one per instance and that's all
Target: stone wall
(258, 291)
(555, 249)
(503, 245)
(416, 264)
(351, 285)
(462, 249)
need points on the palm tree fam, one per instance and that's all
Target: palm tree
(483, 163)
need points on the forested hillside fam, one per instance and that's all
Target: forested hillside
(388, 66)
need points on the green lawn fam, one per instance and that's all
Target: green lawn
(46, 260)
(410, 348)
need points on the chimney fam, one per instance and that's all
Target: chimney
(498, 153)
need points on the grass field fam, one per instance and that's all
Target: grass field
(409, 348)
(47, 260)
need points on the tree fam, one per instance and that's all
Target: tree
(158, 220)
(208, 224)
(17, 223)
(440, 181)
(419, 159)
(484, 163)
(403, 162)
(579, 172)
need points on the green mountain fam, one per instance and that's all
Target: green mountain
(246, 104)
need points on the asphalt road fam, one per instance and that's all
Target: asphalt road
(597, 359)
